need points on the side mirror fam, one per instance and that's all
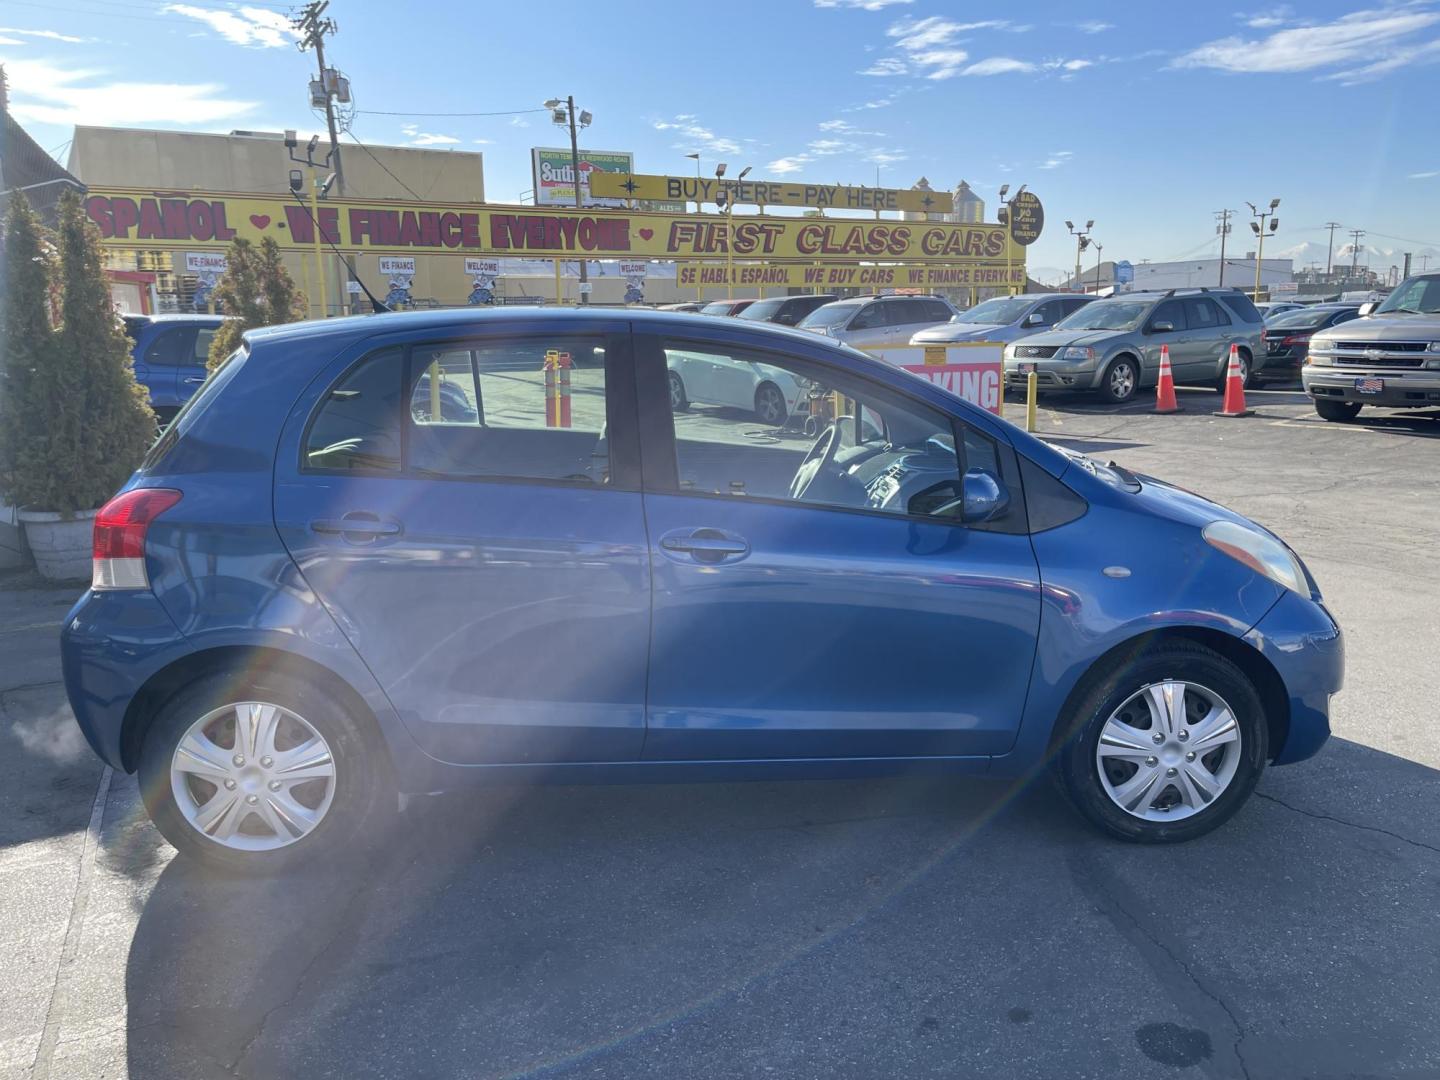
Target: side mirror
(1034, 319)
(983, 497)
(1161, 327)
(1368, 308)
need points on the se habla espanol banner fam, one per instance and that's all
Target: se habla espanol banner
(137, 218)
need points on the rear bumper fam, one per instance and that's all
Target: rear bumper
(1305, 646)
(1412, 389)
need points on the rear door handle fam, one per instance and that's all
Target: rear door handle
(358, 526)
(195, 379)
(705, 545)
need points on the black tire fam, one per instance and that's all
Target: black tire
(1107, 690)
(679, 402)
(1116, 389)
(770, 407)
(1341, 412)
(364, 788)
(1247, 372)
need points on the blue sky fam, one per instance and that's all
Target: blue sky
(1145, 117)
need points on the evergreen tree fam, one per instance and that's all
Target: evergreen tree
(26, 348)
(255, 290)
(98, 418)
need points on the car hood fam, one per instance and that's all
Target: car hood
(1385, 328)
(966, 332)
(1164, 498)
(1072, 337)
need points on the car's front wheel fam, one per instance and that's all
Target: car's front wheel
(1339, 411)
(255, 774)
(770, 407)
(1165, 746)
(1121, 380)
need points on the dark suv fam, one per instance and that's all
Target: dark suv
(1113, 346)
(785, 310)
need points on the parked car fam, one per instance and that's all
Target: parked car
(711, 378)
(684, 305)
(1390, 360)
(1005, 318)
(726, 307)
(312, 593)
(785, 310)
(170, 352)
(1267, 308)
(1112, 346)
(1286, 336)
(871, 321)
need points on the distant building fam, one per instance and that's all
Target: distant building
(24, 165)
(969, 207)
(1187, 274)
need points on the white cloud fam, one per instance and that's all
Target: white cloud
(844, 127)
(826, 147)
(249, 26)
(45, 93)
(1076, 65)
(885, 66)
(786, 165)
(1265, 20)
(1057, 159)
(51, 35)
(1424, 175)
(863, 5)
(427, 138)
(10, 41)
(943, 63)
(998, 65)
(1371, 37)
(482, 142)
(885, 157)
(519, 121)
(1425, 53)
(696, 136)
(1094, 26)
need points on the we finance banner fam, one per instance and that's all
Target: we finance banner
(142, 219)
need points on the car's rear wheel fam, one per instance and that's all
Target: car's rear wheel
(254, 774)
(1339, 411)
(1247, 375)
(1164, 747)
(678, 400)
(770, 407)
(1121, 380)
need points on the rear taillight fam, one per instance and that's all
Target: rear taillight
(1296, 339)
(118, 549)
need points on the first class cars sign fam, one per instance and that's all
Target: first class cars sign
(136, 218)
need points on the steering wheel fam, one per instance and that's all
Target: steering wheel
(820, 457)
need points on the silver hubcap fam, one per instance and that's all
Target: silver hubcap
(253, 776)
(770, 405)
(1169, 751)
(1122, 380)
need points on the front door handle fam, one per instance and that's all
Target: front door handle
(705, 545)
(358, 526)
(195, 379)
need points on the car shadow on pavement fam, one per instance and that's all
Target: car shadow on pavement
(837, 928)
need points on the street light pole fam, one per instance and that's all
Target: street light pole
(579, 205)
(1258, 228)
(1098, 249)
(1082, 241)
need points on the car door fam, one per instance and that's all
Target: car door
(847, 620)
(191, 371)
(1176, 338)
(488, 564)
(870, 326)
(1209, 333)
(157, 366)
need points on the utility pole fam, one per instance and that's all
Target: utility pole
(314, 29)
(1356, 235)
(575, 168)
(1224, 230)
(1329, 251)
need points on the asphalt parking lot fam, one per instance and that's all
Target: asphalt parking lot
(817, 929)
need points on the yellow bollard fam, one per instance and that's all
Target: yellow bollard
(1032, 391)
(434, 392)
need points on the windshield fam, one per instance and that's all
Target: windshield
(997, 312)
(718, 307)
(1105, 315)
(1415, 296)
(1302, 319)
(830, 315)
(762, 310)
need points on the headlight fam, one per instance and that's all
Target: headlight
(1077, 352)
(1259, 551)
(1434, 346)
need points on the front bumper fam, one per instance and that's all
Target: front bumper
(1304, 644)
(1403, 389)
(1054, 374)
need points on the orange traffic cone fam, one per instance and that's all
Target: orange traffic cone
(1234, 388)
(1165, 389)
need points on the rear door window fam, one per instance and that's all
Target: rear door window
(171, 347)
(1171, 311)
(1203, 313)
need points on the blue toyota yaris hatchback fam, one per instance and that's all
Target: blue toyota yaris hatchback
(418, 551)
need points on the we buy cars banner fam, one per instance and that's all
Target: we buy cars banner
(138, 218)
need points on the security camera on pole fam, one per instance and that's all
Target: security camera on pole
(1258, 228)
(727, 203)
(562, 112)
(1082, 241)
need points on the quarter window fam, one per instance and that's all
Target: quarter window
(171, 347)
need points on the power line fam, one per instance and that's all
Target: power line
(382, 165)
(505, 112)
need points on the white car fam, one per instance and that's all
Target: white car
(874, 321)
(771, 393)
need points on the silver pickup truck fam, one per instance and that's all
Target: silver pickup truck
(1390, 358)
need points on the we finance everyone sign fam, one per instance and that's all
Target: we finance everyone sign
(138, 218)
